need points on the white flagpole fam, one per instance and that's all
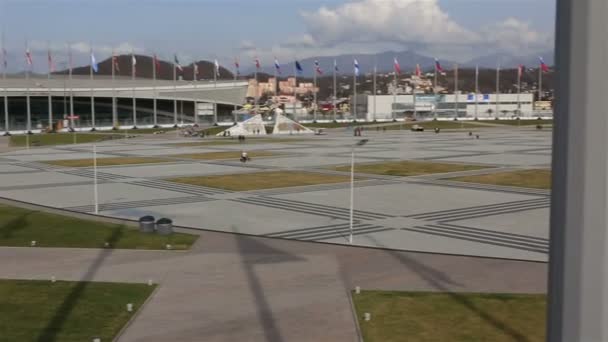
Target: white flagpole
(393, 113)
(133, 79)
(497, 89)
(257, 89)
(95, 191)
(352, 195)
(92, 93)
(194, 82)
(314, 94)
(114, 113)
(154, 100)
(375, 90)
(540, 83)
(295, 89)
(354, 109)
(175, 93)
(4, 64)
(216, 69)
(50, 98)
(476, 91)
(71, 89)
(456, 91)
(435, 93)
(236, 77)
(519, 72)
(335, 92)
(28, 104)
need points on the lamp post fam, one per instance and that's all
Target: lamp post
(352, 186)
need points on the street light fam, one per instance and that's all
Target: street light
(352, 186)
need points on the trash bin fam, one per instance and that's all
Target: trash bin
(164, 226)
(146, 224)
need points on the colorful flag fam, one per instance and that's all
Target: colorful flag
(357, 69)
(397, 66)
(94, 65)
(177, 65)
(50, 60)
(237, 66)
(277, 66)
(318, 68)
(543, 66)
(28, 57)
(299, 69)
(520, 70)
(257, 63)
(418, 71)
(115, 62)
(217, 67)
(438, 67)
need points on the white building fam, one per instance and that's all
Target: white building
(386, 107)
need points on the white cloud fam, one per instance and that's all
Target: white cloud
(84, 48)
(516, 37)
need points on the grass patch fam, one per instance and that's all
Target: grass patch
(18, 227)
(66, 311)
(513, 122)
(106, 161)
(536, 179)
(51, 139)
(262, 180)
(422, 317)
(225, 155)
(235, 141)
(408, 168)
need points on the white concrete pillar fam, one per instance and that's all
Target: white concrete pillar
(578, 277)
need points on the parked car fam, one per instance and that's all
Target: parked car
(417, 128)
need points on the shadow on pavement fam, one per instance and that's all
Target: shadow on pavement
(50, 332)
(14, 225)
(253, 253)
(442, 282)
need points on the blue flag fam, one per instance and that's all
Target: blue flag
(299, 68)
(94, 63)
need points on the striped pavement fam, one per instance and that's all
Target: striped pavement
(329, 232)
(140, 204)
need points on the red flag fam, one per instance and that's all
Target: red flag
(418, 72)
(438, 67)
(257, 63)
(115, 62)
(543, 66)
(520, 70)
(397, 66)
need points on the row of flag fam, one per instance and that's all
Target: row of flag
(298, 66)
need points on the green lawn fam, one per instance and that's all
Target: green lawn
(19, 227)
(537, 179)
(513, 122)
(438, 317)
(262, 180)
(409, 168)
(66, 311)
(107, 161)
(49, 139)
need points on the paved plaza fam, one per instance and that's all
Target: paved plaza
(424, 213)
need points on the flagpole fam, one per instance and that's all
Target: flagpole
(476, 91)
(435, 94)
(71, 88)
(375, 90)
(92, 94)
(414, 95)
(154, 96)
(133, 79)
(497, 89)
(236, 75)
(540, 83)
(456, 91)
(519, 72)
(28, 104)
(314, 94)
(295, 95)
(335, 91)
(114, 114)
(175, 94)
(257, 90)
(393, 114)
(354, 109)
(50, 99)
(95, 182)
(215, 86)
(4, 65)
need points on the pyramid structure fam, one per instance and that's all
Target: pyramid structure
(284, 125)
(249, 127)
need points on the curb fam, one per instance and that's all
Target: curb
(349, 294)
(136, 314)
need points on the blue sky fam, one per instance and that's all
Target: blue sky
(222, 28)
